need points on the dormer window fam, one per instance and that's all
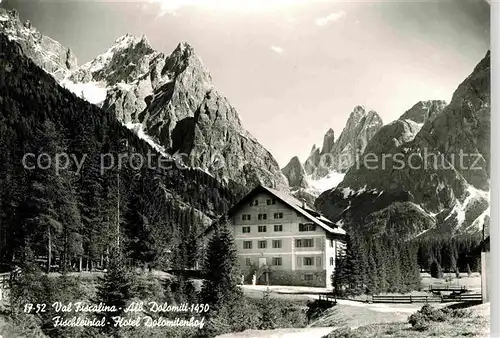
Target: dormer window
(271, 201)
(307, 227)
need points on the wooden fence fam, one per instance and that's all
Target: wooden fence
(406, 299)
(427, 299)
(472, 297)
(447, 288)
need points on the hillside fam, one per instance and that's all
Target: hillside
(77, 207)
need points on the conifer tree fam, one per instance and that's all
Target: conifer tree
(269, 312)
(381, 264)
(221, 269)
(115, 289)
(373, 272)
(436, 271)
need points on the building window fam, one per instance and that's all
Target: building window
(304, 243)
(277, 261)
(254, 202)
(246, 217)
(277, 244)
(262, 244)
(332, 243)
(271, 201)
(248, 261)
(308, 261)
(247, 244)
(309, 277)
(332, 261)
(307, 227)
(278, 227)
(246, 230)
(278, 215)
(262, 216)
(262, 228)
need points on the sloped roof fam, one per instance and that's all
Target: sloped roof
(307, 212)
(295, 204)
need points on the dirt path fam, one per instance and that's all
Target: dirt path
(316, 332)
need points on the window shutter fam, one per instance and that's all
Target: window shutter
(318, 262)
(318, 243)
(299, 261)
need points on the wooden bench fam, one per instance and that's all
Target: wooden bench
(328, 298)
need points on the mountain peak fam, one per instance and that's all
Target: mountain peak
(423, 111)
(359, 109)
(295, 173)
(184, 49)
(294, 160)
(356, 115)
(47, 53)
(128, 40)
(328, 141)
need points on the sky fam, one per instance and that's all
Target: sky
(293, 68)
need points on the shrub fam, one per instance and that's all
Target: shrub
(344, 332)
(418, 321)
(461, 313)
(432, 314)
(316, 308)
(422, 318)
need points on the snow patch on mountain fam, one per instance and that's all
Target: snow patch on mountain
(421, 233)
(138, 129)
(428, 214)
(125, 86)
(330, 181)
(460, 208)
(93, 92)
(347, 192)
(104, 59)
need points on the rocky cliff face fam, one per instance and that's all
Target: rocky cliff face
(359, 129)
(172, 100)
(412, 169)
(326, 167)
(328, 142)
(295, 173)
(424, 111)
(47, 53)
(168, 100)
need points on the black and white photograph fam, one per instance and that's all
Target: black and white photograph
(246, 168)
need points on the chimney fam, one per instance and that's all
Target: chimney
(303, 203)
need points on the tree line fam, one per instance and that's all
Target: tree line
(449, 254)
(71, 218)
(383, 264)
(376, 265)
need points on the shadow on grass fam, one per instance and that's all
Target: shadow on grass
(463, 305)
